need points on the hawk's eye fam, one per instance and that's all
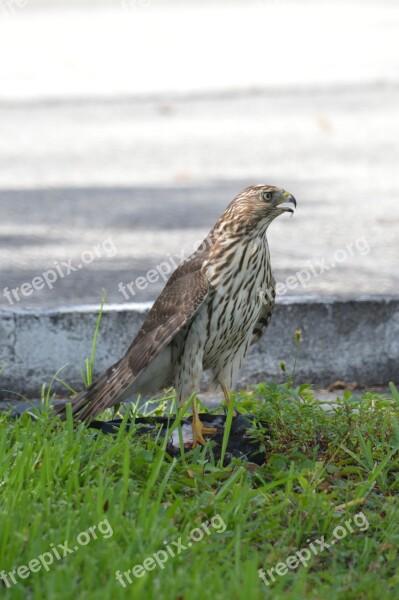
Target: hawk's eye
(267, 196)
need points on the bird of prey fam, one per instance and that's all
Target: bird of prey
(214, 306)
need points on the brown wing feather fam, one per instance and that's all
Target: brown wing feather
(176, 306)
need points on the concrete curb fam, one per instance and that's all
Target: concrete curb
(348, 340)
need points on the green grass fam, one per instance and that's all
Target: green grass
(321, 469)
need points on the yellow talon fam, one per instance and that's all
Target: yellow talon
(199, 430)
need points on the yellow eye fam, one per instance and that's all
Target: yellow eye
(267, 196)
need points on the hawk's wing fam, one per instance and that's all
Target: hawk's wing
(176, 306)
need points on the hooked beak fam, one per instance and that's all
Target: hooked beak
(283, 202)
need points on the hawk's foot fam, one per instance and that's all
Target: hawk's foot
(199, 430)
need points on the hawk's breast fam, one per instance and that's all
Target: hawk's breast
(234, 303)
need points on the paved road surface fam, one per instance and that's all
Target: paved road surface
(128, 130)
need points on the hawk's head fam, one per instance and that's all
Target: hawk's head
(260, 204)
(252, 211)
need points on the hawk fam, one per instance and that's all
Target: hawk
(214, 306)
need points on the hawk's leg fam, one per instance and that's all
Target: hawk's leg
(226, 394)
(199, 430)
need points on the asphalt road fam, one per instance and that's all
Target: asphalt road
(119, 151)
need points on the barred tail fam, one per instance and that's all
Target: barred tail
(105, 392)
